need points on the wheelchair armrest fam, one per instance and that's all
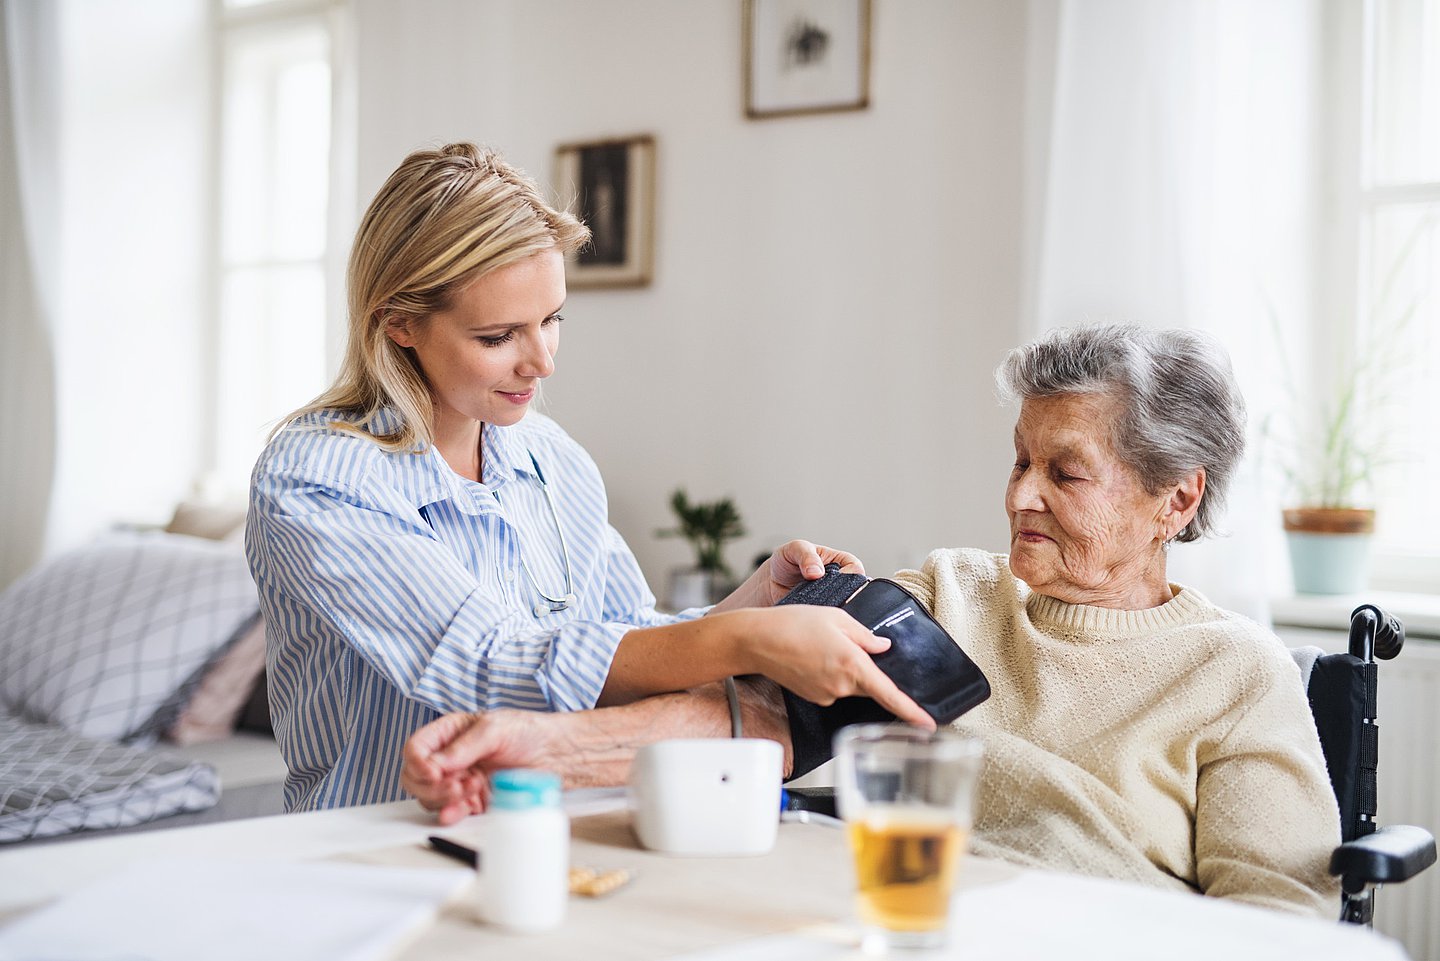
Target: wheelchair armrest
(1393, 853)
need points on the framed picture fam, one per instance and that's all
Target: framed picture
(611, 186)
(806, 56)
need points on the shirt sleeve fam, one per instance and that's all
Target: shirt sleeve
(372, 572)
(628, 604)
(628, 598)
(1266, 820)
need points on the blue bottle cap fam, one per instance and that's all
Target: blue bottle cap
(520, 789)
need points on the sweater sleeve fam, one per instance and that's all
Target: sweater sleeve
(921, 583)
(1266, 820)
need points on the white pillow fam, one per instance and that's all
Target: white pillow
(97, 639)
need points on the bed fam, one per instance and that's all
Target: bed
(132, 686)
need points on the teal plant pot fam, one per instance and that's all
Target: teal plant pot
(1329, 563)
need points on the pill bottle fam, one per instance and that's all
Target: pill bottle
(525, 855)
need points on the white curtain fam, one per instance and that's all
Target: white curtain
(1173, 181)
(29, 249)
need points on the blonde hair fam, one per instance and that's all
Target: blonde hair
(444, 218)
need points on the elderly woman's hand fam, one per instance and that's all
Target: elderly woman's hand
(794, 562)
(446, 764)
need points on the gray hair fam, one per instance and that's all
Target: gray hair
(1180, 408)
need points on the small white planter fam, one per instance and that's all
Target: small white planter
(690, 587)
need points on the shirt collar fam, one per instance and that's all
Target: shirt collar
(428, 479)
(503, 455)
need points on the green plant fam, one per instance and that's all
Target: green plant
(1333, 438)
(1330, 446)
(707, 527)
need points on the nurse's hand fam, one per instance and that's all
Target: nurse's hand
(794, 562)
(822, 654)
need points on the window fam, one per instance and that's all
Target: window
(1398, 285)
(274, 261)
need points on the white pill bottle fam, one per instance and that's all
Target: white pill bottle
(524, 866)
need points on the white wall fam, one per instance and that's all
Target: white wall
(831, 292)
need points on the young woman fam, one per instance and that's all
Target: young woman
(424, 543)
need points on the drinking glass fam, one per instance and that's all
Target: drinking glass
(906, 797)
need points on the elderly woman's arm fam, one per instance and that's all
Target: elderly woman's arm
(448, 762)
(1266, 818)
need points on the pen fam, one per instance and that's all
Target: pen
(457, 851)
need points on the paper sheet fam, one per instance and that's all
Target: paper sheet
(181, 910)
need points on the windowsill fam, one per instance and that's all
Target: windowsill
(1420, 613)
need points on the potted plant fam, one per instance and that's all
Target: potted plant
(707, 526)
(1337, 441)
(1330, 470)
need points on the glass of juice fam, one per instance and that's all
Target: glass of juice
(906, 796)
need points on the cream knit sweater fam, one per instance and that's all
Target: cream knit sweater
(1171, 746)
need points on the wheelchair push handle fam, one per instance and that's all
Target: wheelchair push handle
(1374, 633)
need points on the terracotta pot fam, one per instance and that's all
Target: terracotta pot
(1330, 520)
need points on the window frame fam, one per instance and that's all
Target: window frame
(1353, 202)
(336, 17)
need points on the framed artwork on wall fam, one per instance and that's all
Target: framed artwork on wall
(610, 185)
(806, 56)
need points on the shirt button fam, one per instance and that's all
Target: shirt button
(510, 576)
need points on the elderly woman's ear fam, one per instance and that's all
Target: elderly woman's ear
(1181, 504)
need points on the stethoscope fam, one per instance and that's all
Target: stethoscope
(551, 605)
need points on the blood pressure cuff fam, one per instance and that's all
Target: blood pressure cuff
(923, 660)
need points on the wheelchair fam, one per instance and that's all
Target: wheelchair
(1343, 694)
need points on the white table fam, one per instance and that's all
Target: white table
(790, 904)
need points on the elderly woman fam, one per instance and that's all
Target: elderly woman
(1135, 731)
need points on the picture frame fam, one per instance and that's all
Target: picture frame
(610, 185)
(806, 56)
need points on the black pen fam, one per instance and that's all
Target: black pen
(459, 852)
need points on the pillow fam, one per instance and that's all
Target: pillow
(96, 640)
(216, 522)
(209, 709)
(55, 782)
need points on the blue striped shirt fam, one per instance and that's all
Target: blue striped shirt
(393, 591)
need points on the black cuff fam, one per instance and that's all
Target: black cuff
(812, 727)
